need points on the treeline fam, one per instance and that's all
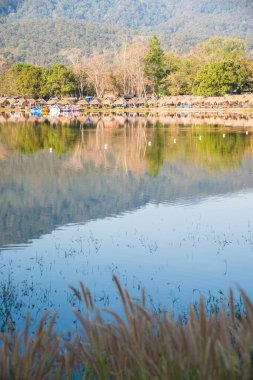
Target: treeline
(36, 82)
(217, 67)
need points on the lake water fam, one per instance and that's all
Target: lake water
(164, 206)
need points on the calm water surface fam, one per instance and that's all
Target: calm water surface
(168, 207)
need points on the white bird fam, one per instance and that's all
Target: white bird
(105, 146)
(224, 135)
(50, 150)
(149, 143)
(175, 140)
(200, 138)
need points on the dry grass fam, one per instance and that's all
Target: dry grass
(140, 346)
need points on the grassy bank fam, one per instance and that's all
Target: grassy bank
(142, 345)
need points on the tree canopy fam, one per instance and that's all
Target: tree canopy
(155, 65)
(221, 78)
(217, 67)
(35, 82)
(37, 32)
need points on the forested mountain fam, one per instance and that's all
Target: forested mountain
(179, 23)
(9, 6)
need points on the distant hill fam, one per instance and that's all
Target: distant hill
(9, 6)
(90, 24)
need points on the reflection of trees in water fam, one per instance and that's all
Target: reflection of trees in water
(221, 151)
(143, 145)
(136, 144)
(111, 148)
(28, 138)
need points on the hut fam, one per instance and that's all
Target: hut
(96, 103)
(248, 100)
(120, 102)
(40, 102)
(12, 102)
(196, 101)
(31, 102)
(65, 102)
(52, 101)
(108, 102)
(3, 102)
(133, 102)
(141, 102)
(82, 104)
(224, 101)
(21, 103)
(152, 102)
(162, 102)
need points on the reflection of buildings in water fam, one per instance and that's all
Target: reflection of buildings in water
(121, 119)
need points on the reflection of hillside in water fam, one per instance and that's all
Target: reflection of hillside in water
(110, 169)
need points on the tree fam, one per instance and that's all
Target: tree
(181, 80)
(21, 79)
(97, 69)
(155, 65)
(58, 80)
(128, 70)
(221, 78)
(78, 67)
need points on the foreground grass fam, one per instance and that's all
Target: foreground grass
(141, 346)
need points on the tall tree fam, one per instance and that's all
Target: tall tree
(155, 65)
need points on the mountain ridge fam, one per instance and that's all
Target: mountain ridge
(179, 24)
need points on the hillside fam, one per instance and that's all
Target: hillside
(64, 24)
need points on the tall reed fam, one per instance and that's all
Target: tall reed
(139, 346)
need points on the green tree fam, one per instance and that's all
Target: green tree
(181, 80)
(221, 78)
(58, 80)
(155, 65)
(21, 79)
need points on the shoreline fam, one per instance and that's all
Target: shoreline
(224, 110)
(123, 117)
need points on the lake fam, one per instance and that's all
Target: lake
(163, 205)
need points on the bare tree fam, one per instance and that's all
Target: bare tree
(128, 69)
(76, 60)
(98, 69)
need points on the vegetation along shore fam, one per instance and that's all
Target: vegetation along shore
(141, 344)
(142, 71)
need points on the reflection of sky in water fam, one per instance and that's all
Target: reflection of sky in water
(169, 249)
(174, 218)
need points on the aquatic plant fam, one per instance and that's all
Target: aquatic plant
(139, 345)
